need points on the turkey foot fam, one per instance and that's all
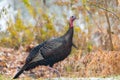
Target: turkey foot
(54, 70)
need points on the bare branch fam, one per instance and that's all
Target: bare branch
(106, 10)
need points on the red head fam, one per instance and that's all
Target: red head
(72, 18)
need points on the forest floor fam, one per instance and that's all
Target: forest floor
(100, 64)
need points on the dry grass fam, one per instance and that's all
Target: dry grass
(95, 64)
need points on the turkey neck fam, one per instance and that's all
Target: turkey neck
(69, 34)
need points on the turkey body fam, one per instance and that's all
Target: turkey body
(49, 52)
(52, 51)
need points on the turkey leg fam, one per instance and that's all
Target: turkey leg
(54, 70)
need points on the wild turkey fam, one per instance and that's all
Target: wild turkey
(50, 51)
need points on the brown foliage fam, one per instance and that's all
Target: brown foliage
(94, 64)
(102, 63)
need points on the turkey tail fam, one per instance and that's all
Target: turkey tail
(20, 72)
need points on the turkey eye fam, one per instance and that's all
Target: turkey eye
(72, 16)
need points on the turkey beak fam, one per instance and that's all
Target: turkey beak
(76, 18)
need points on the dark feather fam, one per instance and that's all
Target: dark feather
(49, 52)
(20, 72)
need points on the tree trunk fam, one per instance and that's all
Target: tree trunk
(109, 27)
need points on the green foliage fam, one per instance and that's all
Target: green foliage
(30, 8)
(46, 30)
(21, 35)
(89, 47)
(68, 68)
(2, 77)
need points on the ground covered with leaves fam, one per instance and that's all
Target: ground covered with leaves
(95, 64)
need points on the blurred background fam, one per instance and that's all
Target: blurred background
(26, 23)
